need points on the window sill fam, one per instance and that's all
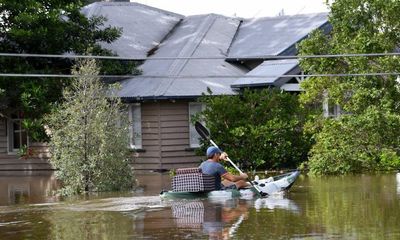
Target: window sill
(140, 150)
(191, 149)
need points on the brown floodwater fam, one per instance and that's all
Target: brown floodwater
(342, 207)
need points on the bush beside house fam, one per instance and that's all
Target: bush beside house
(261, 129)
(89, 136)
(364, 137)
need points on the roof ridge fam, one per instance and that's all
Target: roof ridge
(190, 47)
(192, 43)
(113, 4)
(301, 15)
(234, 37)
(214, 14)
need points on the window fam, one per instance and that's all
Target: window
(194, 137)
(135, 129)
(17, 137)
(330, 108)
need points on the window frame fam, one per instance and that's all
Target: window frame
(330, 109)
(10, 135)
(135, 123)
(192, 129)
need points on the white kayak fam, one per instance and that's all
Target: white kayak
(268, 186)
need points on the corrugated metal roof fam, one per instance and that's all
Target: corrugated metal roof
(172, 35)
(144, 27)
(277, 68)
(145, 88)
(273, 35)
(197, 36)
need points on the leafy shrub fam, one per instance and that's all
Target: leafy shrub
(389, 160)
(89, 142)
(357, 143)
(259, 129)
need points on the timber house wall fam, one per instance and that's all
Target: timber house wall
(3, 135)
(13, 162)
(165, 137)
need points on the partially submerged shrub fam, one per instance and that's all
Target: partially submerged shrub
(89, 141)
(356, 143)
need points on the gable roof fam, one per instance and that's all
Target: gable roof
(144, 27)
(196, 36)
(202, 52)
(273, 35)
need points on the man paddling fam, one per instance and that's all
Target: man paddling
(212, 167)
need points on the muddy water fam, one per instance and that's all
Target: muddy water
(349, 207)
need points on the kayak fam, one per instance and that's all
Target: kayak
(269, 186)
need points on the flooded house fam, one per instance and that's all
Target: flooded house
(182, 57)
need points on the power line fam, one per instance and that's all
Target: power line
(198, 77)
(69, 56)
(261, 57)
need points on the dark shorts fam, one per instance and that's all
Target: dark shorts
(233, 186)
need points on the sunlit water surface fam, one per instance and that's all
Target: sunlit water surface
(348, 207)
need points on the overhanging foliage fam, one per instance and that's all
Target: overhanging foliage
(259, 129)
(355, 142)
(47, 27)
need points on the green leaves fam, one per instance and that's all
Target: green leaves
(357, 27)
(357, 143)
(89, 142)
(362, 141)
(48, 27)
(259, 129)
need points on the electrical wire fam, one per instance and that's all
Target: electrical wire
(260, 57)
(198, 77)
(394, 54)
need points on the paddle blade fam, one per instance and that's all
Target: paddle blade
(202, 131)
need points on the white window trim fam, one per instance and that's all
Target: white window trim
(192, 129)
(10, 136)
(337, 110)
(135, 137)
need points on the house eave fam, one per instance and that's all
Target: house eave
(158, 98)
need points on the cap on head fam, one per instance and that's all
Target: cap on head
(212, 150)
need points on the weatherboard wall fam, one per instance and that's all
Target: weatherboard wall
(3, 135)
(165, 137)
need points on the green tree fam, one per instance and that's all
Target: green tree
(259, 129)
(47, 27)
(357, 143)
(358, 26)
(89, 142)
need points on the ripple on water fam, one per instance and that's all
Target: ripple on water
(121, 204)
(3, 224)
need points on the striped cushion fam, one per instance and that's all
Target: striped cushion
(187, 170)
(193, 182)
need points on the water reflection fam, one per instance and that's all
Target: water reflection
(335, 207)
(276, 202)
(215, 220)
(135, 217)
(120, 204)
(38, 187)
(152, 183)
(221, 219)
(22, 188)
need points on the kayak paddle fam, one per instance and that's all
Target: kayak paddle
(203, 132)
